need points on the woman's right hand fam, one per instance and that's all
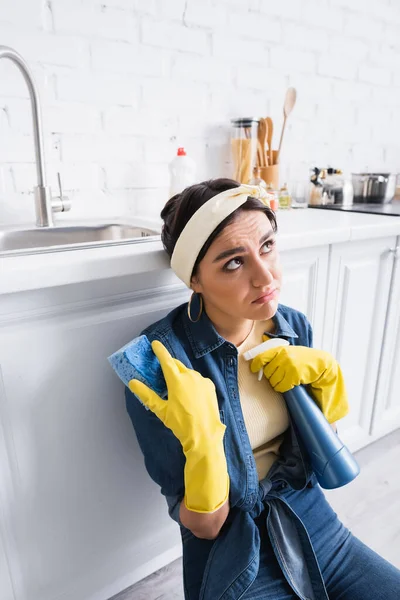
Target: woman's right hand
(192, 413)
(191, 410)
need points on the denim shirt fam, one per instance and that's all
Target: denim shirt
(225, 567)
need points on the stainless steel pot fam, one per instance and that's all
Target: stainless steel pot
(373, 188)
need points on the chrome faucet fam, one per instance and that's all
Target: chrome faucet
(45, 205)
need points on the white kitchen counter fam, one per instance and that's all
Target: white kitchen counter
(297, 229)
(81, 517)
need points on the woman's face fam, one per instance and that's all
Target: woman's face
(240, 275)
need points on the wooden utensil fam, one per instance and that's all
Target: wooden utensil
(260, 158)
(262, 136)
(270, 127)
(290, 101)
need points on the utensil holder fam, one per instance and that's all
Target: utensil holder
(271, 174)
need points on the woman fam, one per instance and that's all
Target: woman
(254, 522)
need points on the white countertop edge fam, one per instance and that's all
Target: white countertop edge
(303, 228)
(387, 227)
(36, 271)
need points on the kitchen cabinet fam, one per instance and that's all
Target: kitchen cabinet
(386, 413)
(360, 277)
(6, 590)
(80, 513)
(305, 273)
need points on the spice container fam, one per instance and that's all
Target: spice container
(256, 179)
(285, 199)
(244, 147)
(316, 188)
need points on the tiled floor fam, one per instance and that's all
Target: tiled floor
(359, 505)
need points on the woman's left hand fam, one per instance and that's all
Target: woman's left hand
(288, 366)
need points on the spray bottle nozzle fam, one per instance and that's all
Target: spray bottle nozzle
(272, 343)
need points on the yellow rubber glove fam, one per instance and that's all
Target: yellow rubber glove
(192, 414)
(288, 366)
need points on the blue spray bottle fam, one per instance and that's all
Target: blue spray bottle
(331, 460)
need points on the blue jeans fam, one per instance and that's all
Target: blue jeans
(350, 570)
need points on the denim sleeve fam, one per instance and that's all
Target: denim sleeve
(309, 334)
(174, 504)
(162, 451)
(302, 327)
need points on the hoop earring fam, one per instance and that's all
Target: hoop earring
(189, 307)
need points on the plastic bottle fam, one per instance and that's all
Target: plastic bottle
(182, 172)
(330, 459)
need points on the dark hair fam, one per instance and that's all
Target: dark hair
(181, 207)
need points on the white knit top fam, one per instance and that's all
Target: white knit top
(264, 410)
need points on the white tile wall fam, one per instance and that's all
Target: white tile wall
(124, 82)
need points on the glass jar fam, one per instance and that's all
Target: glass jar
(285, 199)
(257, 179)
(244, 147)
(298, 191)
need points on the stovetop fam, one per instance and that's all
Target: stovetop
(392, 209)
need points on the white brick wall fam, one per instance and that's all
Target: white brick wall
(124, 82)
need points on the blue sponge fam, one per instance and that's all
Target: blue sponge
(136, 360)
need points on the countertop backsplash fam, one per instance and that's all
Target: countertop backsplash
(123, 84)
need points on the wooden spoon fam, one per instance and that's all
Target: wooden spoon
(260, 159)
(262, 136)
(270, 126)
(290, 101)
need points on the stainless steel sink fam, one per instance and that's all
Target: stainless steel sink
(53, 239)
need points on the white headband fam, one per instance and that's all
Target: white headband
(201, 225)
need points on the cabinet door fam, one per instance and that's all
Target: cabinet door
(304, 284)
(358, 292)
(82, 518)
(10, 582)
(6, 590)
(386, 413)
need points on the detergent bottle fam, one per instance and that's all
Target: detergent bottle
(182, 172)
